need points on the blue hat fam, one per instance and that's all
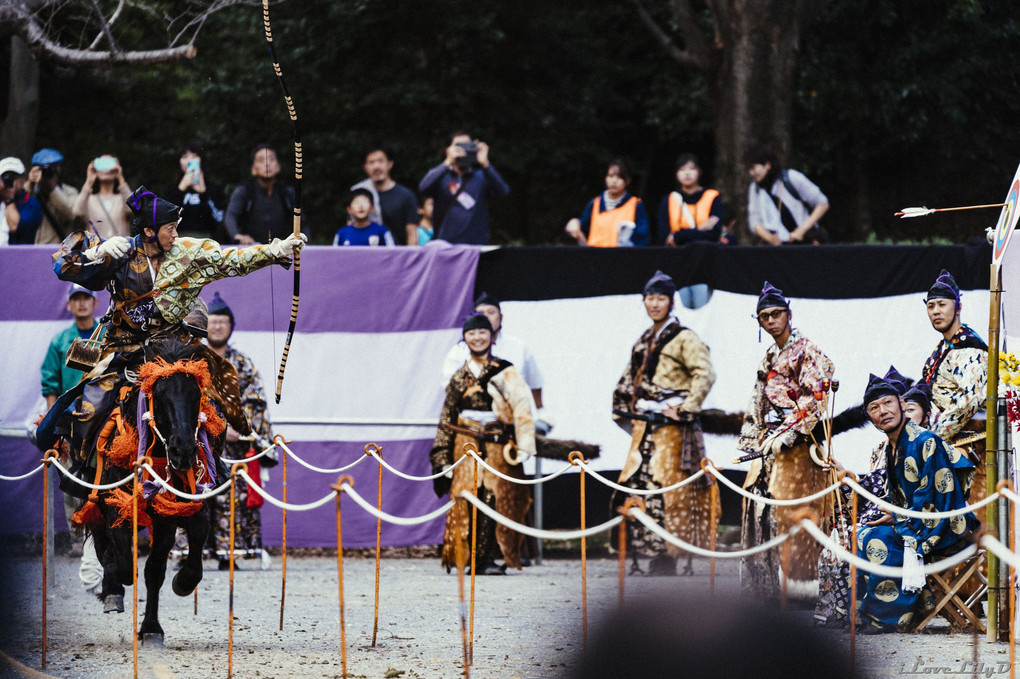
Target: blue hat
(47, 157)
(900, 382)
(660, 284)
(150, 210)
(219, 308)
(486, 298)
(877, 388)
(75, 289)
(771, 296)
(476, 320)
(945, 287)
(920, 393)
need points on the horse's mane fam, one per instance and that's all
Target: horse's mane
(171, 350)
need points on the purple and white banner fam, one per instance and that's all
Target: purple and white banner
(375, 324)
(373, 327)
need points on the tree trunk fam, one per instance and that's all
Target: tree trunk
(17, 134)
(753, 83)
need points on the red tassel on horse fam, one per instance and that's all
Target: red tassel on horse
(121, 501)
(255, 499)
(89, 516)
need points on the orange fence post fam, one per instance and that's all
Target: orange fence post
(279, 441)
(577, 459)
(713, 498)
(474, 556)
(230, 550)
(135, 490)
(50, 455)
(632, 501)
(378, 538)
(852, 604)
(338, 487)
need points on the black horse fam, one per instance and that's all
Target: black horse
(176, 404)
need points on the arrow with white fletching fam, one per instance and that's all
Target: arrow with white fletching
(923, 211)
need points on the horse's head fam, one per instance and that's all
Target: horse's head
(174, 381)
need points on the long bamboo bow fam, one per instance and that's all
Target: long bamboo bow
(292, 112)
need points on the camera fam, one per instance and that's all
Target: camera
(104, 164)
(48, 172)
(8, 179)
(470, 158)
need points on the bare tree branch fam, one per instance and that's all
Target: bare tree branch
(51, 27)
(697, 47)
(664, 39)
(105, 26)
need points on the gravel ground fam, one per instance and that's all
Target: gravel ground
(527, 624)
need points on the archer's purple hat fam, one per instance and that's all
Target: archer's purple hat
(945, 287)
(877, 388)
(900, 382)
(771, 296)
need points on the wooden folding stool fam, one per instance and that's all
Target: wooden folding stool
(957, 593)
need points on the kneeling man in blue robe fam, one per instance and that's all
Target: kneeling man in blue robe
(926, 474)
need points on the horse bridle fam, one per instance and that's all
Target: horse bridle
(148, 416)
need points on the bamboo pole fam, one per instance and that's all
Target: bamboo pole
(279, 440)
(992, 447)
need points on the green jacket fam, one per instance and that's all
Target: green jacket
(57, 377)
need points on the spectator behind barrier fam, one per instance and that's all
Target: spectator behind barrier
(102, 201)
(201, 202)
(615, 218)
(783, 206)
(462, 186)
(393, 205)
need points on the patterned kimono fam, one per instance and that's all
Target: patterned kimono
(926, 474)
(144, 304)
(667, 367)
(831, 609)
(958, 374)
(783, 401)
(248, 524)
(497, 388)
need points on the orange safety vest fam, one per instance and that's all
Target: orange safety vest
(701, 210)
(604, 229)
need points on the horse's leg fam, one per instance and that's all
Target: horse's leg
(112, 593)
(190, 574)
(163, 533)
(113, 548)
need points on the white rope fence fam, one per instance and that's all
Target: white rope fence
(372, 451)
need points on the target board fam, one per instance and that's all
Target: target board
(1007, 220)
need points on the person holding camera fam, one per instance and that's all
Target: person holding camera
(102, 202)
(55, 197)
(202, 203)
(461, 187)
(22, 212)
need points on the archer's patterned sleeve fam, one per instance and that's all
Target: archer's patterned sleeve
(959, 389)
(69, 262)
(695, 356)
(253, 396)
(441, 454)
(508, 386)
(815, 366)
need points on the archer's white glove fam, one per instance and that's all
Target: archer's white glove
(116, 247)
(288, 246)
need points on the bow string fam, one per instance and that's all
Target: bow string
(292, 112)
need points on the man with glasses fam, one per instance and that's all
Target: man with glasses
(778, 435)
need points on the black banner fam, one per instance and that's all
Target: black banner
(807, 271)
